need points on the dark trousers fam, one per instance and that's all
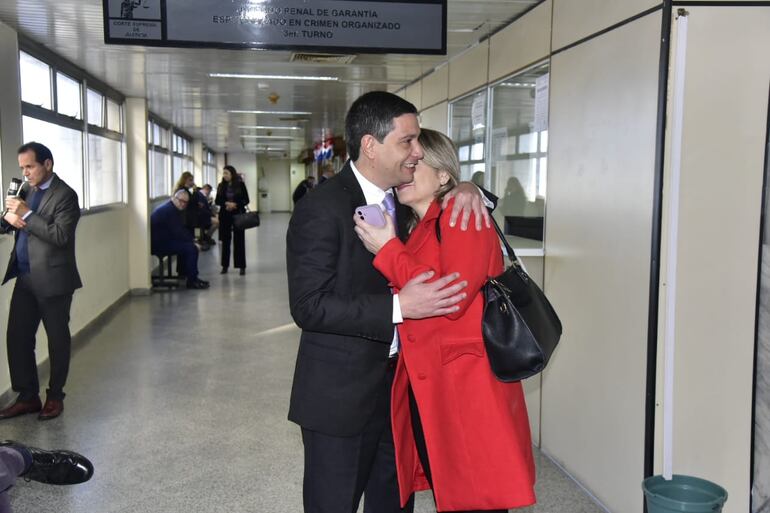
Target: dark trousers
(338, 470)
(422, 450)
(186, 252)
(27, 309)
(228, 233)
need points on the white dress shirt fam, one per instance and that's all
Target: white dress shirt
(42, 187)
(374, 196)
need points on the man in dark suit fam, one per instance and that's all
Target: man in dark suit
(347, 352)
(169, 236)
(44, 216)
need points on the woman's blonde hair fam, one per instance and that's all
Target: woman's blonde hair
(181, 183)
(440, 153)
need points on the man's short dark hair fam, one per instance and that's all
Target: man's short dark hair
(41, 151)
(373, 113)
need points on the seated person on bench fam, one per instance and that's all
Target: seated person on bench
(169, 236)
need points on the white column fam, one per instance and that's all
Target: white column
(140, 260)
(10, 103)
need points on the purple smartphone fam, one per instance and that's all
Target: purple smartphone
(372, 214)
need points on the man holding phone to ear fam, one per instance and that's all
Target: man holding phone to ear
(348, 348)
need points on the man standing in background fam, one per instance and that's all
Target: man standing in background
(303, 188)
(44, 216)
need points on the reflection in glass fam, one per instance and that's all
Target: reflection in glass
(518, 159)
(95, 108)
(113, 116)
(65, 144)
(68, 96)
(35, 81)
(469, 122)
(159, 182)
(105, 161)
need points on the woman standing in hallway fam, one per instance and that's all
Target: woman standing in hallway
(456, 428)
(232, 198)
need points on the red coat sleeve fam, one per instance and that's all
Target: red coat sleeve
(466, 252)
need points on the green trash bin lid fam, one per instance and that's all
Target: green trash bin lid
(683, 494)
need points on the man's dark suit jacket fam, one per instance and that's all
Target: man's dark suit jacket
(344, 307)
(167, 226)
(51, 241)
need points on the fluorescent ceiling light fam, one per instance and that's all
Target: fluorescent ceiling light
(283, 137)
(272, 77)
(261, 127)
(278, 112)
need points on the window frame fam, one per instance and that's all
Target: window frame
(471, 142)
(86, 81)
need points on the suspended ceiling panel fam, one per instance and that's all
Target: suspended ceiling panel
(177, 85)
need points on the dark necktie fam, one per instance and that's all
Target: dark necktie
(390, 207)
(22, 247)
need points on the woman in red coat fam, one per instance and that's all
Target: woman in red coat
(456, 428)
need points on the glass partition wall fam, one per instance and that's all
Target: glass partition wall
(501, 133)
(518, 157)
(468, 131)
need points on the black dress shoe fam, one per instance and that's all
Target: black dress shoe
(242, 271)
(223, 271)
(54, 467)
(21, 408)
(197, 284)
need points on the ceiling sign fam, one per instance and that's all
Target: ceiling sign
(368, 26)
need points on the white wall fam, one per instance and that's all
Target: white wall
(138, 215)
(246, 164)
(278, 178)
(522, 43)
(10, 105)
(598, 231)
(573, 20)
(469, 71)
(436, 117)
(725, 125)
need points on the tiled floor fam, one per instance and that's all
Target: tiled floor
(180, 401)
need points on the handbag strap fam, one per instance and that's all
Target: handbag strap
(508, 249)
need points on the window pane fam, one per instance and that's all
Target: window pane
(105, 164)
(464, 153)
(528, 143)
(68, 96)
(477, 151)
(518, 161)
(35, 81)
(113, 116)
(159, 185)
(65, 144)
(95, 108)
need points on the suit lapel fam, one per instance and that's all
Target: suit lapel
(352, 187)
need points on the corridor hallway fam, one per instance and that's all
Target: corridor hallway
(180, 400)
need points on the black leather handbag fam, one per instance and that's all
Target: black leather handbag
(519, 325)
(246, 220)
